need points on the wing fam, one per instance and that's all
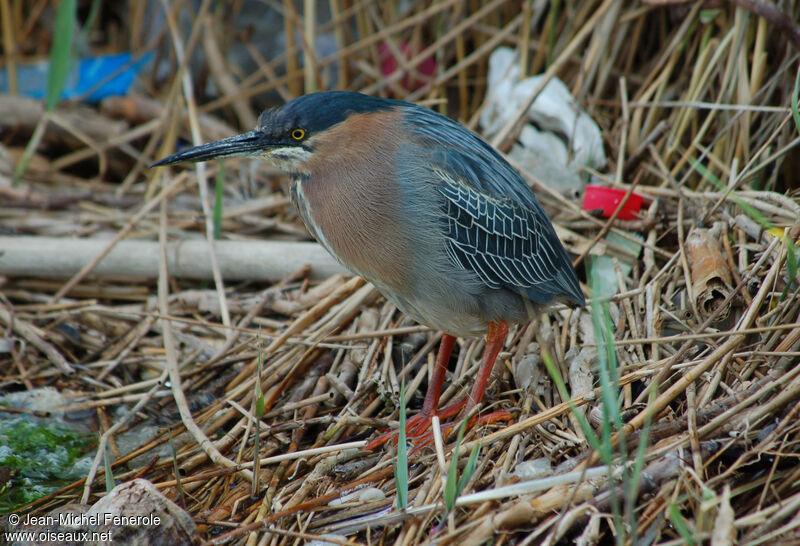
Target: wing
(494, 224)
(505, 244)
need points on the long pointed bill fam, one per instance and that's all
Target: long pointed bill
(252, 143)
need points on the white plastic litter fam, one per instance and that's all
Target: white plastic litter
(561, 137)
(530, 470)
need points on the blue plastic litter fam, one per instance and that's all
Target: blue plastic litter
(91, 78)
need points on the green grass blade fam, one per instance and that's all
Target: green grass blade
(258, 409)
(83, 37)
(608, 377)
(451, 485)
(176, 471)
(791, 258)
(795, 100)
(109, 474)
(469, 470)
(680, 524)
(259, 394)
(61, 58)
(30, 149)
(401, 468)
(218, 185)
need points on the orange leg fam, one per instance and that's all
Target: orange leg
(437, 381)
(495, 338)
(420, 423)
(494, 343)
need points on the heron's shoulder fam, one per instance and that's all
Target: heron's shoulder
(467, 157)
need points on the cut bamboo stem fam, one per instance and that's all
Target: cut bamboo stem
(271, 261)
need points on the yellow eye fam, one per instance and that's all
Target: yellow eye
(298, 134)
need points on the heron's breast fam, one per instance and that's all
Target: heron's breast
(351, 202)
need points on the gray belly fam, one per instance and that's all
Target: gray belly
(460, 311)
(435, 292)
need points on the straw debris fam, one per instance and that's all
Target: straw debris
(694, 408)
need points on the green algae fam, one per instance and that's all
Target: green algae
(38, 456)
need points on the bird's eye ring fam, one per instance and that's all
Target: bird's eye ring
(298, 134)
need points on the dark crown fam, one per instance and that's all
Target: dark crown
(318, 112)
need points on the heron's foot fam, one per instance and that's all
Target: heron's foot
(450, 426)
(418, 426)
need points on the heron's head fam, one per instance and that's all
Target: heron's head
(285, 136)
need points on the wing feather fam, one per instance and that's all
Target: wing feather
(502, 241)
(493, 224)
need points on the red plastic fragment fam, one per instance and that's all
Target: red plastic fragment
(607, 200)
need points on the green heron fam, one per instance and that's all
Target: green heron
(422, 208)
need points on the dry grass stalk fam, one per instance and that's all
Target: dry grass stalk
(694, 103)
